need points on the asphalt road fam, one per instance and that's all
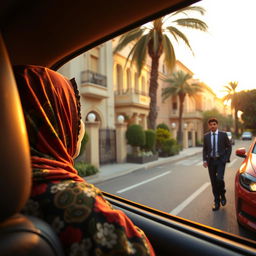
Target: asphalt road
(183, 189)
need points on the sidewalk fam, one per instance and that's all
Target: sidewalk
(110, 171)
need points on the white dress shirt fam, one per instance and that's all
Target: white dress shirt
(216, 142)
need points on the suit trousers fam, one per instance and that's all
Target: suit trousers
(216, 168)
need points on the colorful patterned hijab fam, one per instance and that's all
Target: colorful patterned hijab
(52, 113)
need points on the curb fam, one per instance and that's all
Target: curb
(94, 179)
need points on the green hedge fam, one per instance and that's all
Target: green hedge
(150, 140)
(83, 143)
(170, 147)
(161, 136)
(135, 135)
(163, 126)
(85, 169)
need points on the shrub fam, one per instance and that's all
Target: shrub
(163, 126)
(135, 135)
(166, 148)
(170, 147)
(83, 143)
(85, 169)
(150, 140)
(199, 143)
(161, 136)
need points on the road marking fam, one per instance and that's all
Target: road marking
(143, 182)
(231, 163)
(185, 203)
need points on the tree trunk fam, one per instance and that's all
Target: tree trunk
(153, 85)
(180, 134)
(236, 123)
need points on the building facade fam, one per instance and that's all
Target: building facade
(110, 86)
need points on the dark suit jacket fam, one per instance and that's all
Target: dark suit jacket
(224, 147)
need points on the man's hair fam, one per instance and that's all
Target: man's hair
(213, 119)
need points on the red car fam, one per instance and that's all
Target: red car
(245, 188)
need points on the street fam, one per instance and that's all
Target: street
(183, 189)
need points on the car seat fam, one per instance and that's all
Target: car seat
(19, 234)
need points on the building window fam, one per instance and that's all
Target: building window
(174, 103)
(163, 68)
(128, 79)
(119, 78)
(94, 63)
(143, 85)
(136, 81)
(94, 60)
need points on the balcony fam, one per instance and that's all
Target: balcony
(93, 85)
(132, 98)
(187, 115)
(193, 115)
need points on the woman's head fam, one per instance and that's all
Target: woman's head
(52, 112)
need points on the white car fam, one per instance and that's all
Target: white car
(230, 137)
(246, 136)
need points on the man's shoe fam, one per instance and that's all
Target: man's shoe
(223, 200)
(216, 206)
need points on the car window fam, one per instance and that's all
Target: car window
(115, 95)
(254, 149)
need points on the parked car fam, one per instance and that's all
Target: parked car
(230, 137)
(246, 136)
(50, 33)
(245, 188)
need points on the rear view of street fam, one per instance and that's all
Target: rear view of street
(183, 189)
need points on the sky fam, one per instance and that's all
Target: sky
(227, 52)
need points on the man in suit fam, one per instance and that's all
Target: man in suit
(216, 153)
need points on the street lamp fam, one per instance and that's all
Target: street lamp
(91, 117)
(120, 119)
(173, 125)
(185, 125)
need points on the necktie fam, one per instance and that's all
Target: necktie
(214, 146)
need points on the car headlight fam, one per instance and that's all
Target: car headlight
(248, 181)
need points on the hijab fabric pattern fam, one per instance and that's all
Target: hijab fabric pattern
(84, 221)
(51, 114)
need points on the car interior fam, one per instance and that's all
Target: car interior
(50, 33)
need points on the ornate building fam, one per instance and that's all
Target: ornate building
(110, 87)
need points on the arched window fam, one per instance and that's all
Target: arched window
(174, 104)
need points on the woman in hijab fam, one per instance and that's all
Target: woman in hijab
(84, 221)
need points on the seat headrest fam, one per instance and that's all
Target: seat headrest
(15, 168)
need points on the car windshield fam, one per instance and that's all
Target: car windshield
(137, 127)
(247, 133)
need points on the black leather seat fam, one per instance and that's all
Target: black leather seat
(22, 235)
(19, 235)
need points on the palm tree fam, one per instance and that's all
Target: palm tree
(153, 38)
(180, 86)
(231, 95)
